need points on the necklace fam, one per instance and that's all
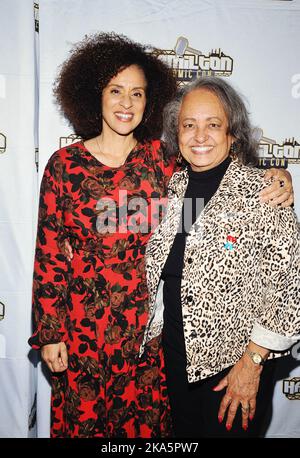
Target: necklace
(127, 152)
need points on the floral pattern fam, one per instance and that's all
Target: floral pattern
(98, 302)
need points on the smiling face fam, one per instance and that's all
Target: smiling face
(202, 130)
(124, 101)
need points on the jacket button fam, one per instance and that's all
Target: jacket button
(193, 334)
(190, 298)
(190, 260)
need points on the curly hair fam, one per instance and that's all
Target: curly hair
(93, 63)
(245, 145)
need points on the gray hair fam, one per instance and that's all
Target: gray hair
(245, 145)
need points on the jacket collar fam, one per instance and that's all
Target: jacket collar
(179, 181)
(223, 199)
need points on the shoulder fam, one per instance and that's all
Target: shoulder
(57, 162)
(68, 151)
(63, 153)
(271, 218)
(155, 144)
(247, 177)
(179, 176)
(155, 148)
(247, 182)
(167, 164)
(61, 157)
(178, 182)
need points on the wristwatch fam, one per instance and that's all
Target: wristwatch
(256, 357)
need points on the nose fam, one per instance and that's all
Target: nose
(201, 134)
(126, 101)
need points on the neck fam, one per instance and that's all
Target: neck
(210, 173)
(114, 144)
(111, 148)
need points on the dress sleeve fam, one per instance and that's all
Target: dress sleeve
(50, 277)
(166, 164)
(278, 325)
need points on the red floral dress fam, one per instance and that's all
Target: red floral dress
(97, 303)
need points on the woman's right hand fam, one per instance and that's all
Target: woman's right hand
(55, 356)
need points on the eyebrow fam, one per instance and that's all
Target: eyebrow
(120, 86)
(214, 117)
(208, 119)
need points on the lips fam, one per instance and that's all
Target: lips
(124, 117)
(201, 149)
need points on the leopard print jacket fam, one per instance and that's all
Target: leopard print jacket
(241, 274)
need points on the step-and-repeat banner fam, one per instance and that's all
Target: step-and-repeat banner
(252, 43)
(18, 195)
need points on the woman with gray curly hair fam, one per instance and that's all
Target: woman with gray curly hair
(238, 120)
(223, 270)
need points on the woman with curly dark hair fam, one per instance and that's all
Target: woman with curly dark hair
(90, 312)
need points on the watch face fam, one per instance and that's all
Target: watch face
(257, 358)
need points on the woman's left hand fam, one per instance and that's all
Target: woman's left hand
(280, 192)
(242, 384)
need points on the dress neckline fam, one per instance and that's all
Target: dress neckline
(129, 157)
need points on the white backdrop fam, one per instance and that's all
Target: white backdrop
(259, 40)
(18, 194)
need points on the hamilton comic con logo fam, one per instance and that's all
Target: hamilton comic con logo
(2, 143)
(36, 17)
(66, 141)
(190, 63)
(291, 388)
(273, 154)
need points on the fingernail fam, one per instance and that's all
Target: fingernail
(220, 419)
(251, 417)
(214, 389)
(245, 427)
(228, 427)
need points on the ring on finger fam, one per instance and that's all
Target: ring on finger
(245, 409)
(282, 183)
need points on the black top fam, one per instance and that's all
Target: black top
(201, 187)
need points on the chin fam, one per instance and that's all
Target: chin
(124, 132)
(201, 164)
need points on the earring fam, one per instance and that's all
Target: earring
(233, 151)
(179, 158)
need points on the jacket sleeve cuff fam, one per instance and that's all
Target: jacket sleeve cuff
(270, 340)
